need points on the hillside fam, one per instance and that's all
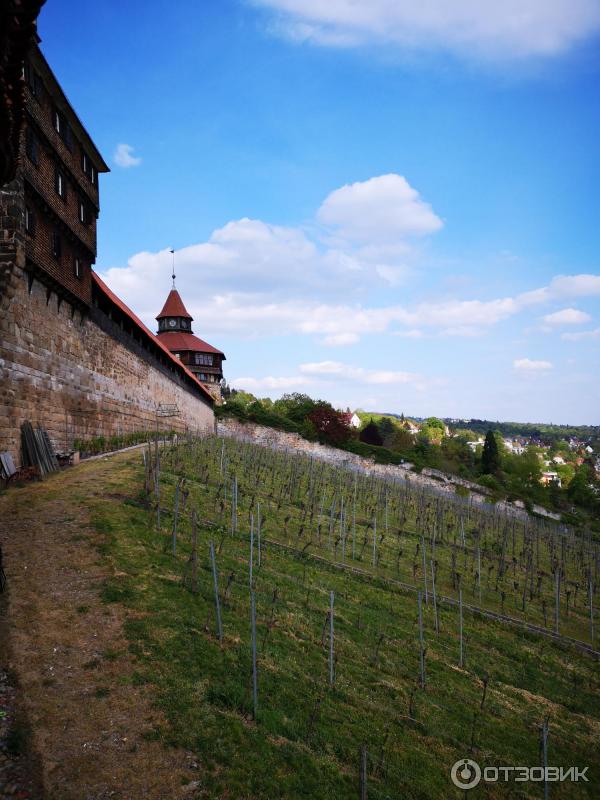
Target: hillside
(143, 649)
(546, 432)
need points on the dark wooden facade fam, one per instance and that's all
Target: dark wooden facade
(59, 169)
(17, 34)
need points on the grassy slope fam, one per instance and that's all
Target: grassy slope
(307, 738)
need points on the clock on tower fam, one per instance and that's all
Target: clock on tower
(200, 357)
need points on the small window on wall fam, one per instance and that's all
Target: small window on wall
(87, 167)
(33, 80)
(205, 359)
(62, 127)
(77, 267)
(31, 146)
(60, 183)
(85, 216)
(56, 247)
(29, 221)
(57, 121)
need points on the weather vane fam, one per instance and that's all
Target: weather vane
(173, 269)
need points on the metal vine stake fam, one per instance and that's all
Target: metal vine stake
(331, 641)
(254, 664)
(216, 590)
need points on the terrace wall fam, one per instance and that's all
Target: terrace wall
(281, 440)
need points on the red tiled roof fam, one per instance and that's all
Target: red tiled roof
(148, 333)
(174, 307)
(176, 341)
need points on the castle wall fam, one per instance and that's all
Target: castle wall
(77, 376)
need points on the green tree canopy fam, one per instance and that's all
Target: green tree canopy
(295, 406)
(401, 441)
(490, 456)
(583, 488)
(387, 429)
(370, 434)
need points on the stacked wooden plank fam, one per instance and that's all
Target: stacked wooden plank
(37, 450)
(7, 466)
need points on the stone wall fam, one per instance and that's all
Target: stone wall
(69, 373)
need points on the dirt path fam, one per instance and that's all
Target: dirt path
(66, 648)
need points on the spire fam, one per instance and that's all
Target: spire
(173, 269)
(174, 307)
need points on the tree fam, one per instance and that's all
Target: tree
(524, 471)
(433, 430)
(243, 398)
(402, 441)
(583, 489)
(295, 406)
(490, 457)
(330, 425)
(370, 434)
(435, 422)
(387, 429)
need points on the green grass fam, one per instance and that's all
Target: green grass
(306, 740)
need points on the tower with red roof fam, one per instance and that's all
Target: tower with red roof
(201, 358)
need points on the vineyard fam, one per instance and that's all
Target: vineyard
(313, 631)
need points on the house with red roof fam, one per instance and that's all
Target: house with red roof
(198, 356)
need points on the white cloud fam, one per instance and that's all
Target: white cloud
(340, 339)
(563, 287)
(465, 331)
(381, 209)
(258, 258)
(270, 383)
(335, 369)
(567, 316)
(471, 28)
(581, 335)
(411, 333)
(123, 156)
(254, 278)
(584, 285)
(528, 365)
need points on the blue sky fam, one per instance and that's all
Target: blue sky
(390, 205)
